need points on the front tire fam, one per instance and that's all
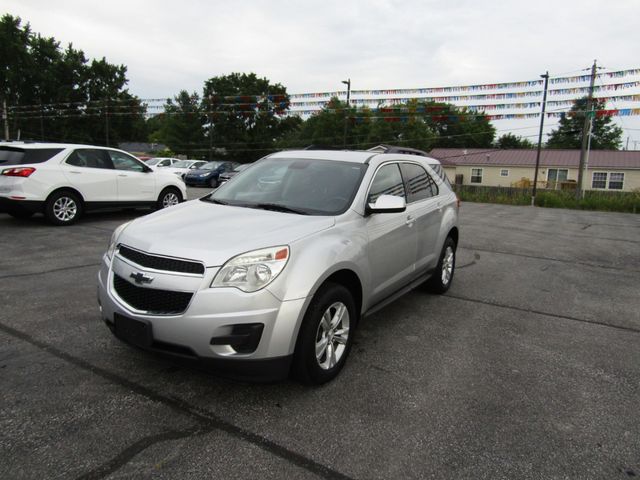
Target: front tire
(63, 208)
(213, 183)
(443, 276)
(326, 335)
(168, 198)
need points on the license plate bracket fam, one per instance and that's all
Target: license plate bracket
(137, 332)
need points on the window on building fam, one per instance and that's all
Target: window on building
(557, 174)
(476, 175)
(616, 180)
(504, 172)
(599, 180)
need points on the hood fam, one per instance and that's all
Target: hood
(215, 233)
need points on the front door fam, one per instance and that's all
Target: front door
(135, 182)
(392, 238)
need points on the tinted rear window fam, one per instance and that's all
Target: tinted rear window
(22, 156)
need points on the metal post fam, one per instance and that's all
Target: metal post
(106, 120)
(544, 106)
(5, 118)
(346, 117)
(585, 133)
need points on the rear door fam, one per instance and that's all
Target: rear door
(91, 172)
(392, 237)
(424, 207)
(135, 183)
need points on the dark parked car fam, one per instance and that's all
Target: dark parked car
(209, 174)
(226, 176)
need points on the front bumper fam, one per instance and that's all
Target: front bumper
(212, 314)
(197, 180)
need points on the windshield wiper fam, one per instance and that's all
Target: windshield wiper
(214, 200)
(276, 207)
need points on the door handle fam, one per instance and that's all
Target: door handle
(122, 175)
(74, 171)
(410, 221)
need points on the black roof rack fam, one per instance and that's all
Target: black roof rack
(397, 149)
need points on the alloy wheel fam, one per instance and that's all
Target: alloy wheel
(332, 335)
(447, 265)
(170, 199)
(65, 209)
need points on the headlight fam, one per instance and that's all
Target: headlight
(114, 239)
(252, 271)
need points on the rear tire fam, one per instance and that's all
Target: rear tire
(168, 198)
(443, 276)
(325, 336)
(63, 208)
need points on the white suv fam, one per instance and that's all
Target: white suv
(63, 181)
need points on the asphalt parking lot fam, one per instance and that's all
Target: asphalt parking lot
(528, 368)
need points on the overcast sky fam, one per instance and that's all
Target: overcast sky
(313, 45)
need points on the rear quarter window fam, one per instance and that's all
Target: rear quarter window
(23, 156)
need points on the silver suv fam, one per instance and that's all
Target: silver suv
(271, 273)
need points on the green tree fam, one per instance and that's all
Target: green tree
(509, 140)
(181, 125)
(605, 135)
(245, 114)
(458, 127)
(56, 94)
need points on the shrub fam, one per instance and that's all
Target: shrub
(593, 200)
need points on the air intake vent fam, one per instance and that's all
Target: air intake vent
(157, 302)
(160, 263)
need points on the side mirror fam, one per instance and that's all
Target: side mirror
(387, 204)
(147, 169)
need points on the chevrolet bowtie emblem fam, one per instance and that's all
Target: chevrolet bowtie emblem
(141, 278)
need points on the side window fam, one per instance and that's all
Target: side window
(419, 182)
(88, 158)
(122, 161)
(387, 181)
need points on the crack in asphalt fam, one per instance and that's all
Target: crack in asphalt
(539, 312)
(536, 257)
(133, 450)
(204, 417)
(53, 270)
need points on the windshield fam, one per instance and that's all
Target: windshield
(307, 186)
(211, 166)
(183, 164)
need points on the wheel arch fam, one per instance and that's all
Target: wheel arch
(454, 234)
(65, 189)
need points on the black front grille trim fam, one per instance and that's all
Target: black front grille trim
(151, 300)
(160, 263)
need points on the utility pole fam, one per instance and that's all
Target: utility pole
(346, 115)
(106, 120)
(627, 146)
(544, 107)
(5, 118)
(585, 133)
